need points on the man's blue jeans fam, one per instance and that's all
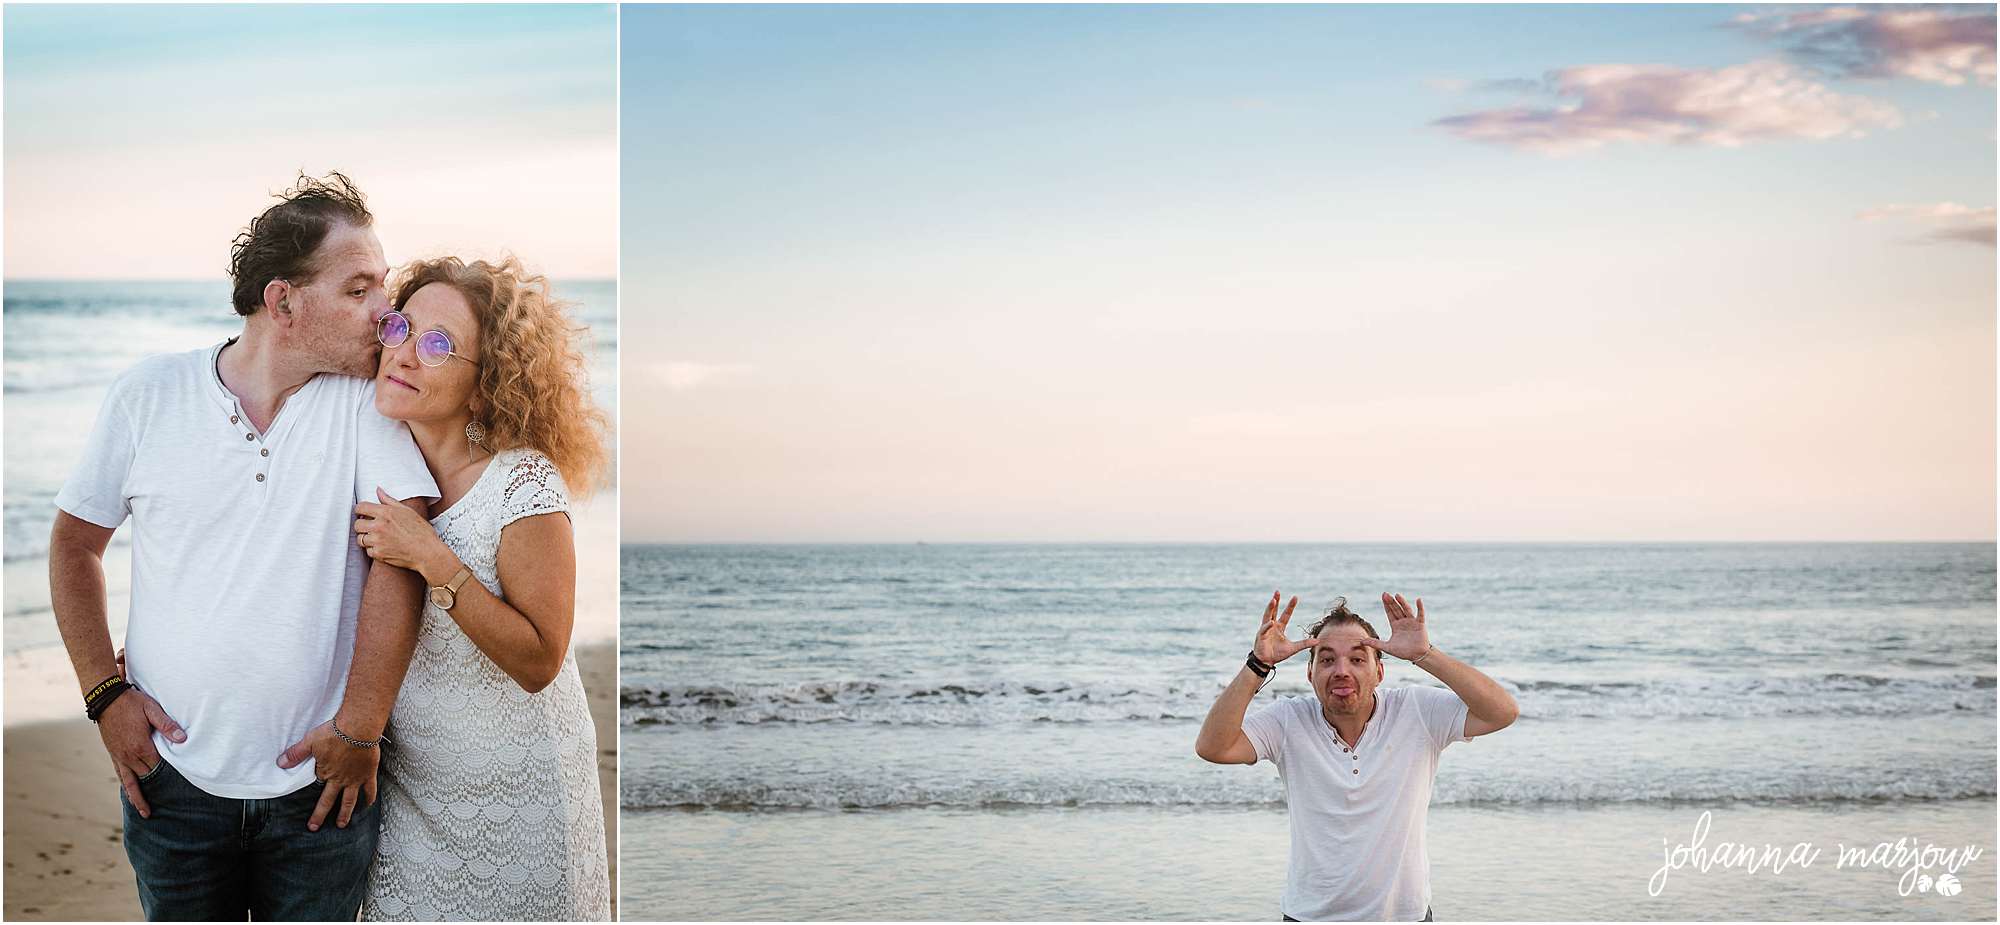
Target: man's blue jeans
(204, 857)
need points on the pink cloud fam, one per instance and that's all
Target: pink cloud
(1657, 104)
(1944, 46)
(1944, 221)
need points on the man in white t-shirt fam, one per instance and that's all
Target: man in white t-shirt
(263, 652)
(1357, 759)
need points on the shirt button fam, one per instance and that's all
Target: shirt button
(232, 419)
(263, 452)
(249, 436)
(1357, 770)
(260, 476)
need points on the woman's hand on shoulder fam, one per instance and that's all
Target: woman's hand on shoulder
(400, 534)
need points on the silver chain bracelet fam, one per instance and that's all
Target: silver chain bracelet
(357, 743)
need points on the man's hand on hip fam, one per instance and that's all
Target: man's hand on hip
(348, 770)
(127, 730)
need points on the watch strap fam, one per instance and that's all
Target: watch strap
(445, 596)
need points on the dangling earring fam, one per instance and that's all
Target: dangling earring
(476, 433)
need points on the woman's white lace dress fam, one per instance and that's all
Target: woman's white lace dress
(490, 803)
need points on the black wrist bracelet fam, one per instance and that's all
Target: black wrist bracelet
(103, 695)
(101, 688)
(1257, 665)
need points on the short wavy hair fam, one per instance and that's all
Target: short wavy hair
(532, 386)
(283, 242)
(1338, 614)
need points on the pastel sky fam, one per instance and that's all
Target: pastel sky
(141, 138)
(1308, 273)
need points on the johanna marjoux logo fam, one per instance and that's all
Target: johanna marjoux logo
(1924, 867)
(1945, 884)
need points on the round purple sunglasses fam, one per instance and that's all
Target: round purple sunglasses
(433, 346)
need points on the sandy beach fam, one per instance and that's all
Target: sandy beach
(64, 858)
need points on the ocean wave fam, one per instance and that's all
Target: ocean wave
(990, 703)
(27, 534)
(27, 529)
(30, 382)
(874, 794)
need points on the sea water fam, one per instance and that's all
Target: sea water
(1013, 725)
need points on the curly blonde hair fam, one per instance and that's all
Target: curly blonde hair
(533, 388)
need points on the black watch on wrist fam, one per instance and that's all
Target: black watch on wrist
(1257, 665)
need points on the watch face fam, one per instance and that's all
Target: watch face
(442, 597)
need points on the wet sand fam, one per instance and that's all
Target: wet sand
(1551, 862)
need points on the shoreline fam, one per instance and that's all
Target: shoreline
(63, 844)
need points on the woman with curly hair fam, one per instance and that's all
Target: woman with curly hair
(491, 807)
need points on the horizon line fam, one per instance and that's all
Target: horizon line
(220, 279)
(1462, 542)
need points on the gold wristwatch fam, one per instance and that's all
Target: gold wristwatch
(446, 594)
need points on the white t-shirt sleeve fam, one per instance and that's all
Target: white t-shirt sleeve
(96, 489)
(1443, 714)
(387, 457)
(1265, 728)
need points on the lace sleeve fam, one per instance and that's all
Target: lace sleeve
(534, 486)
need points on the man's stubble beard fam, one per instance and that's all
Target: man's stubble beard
(362, 367)
(331, 352)
(327, 358)
(1330, 702)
